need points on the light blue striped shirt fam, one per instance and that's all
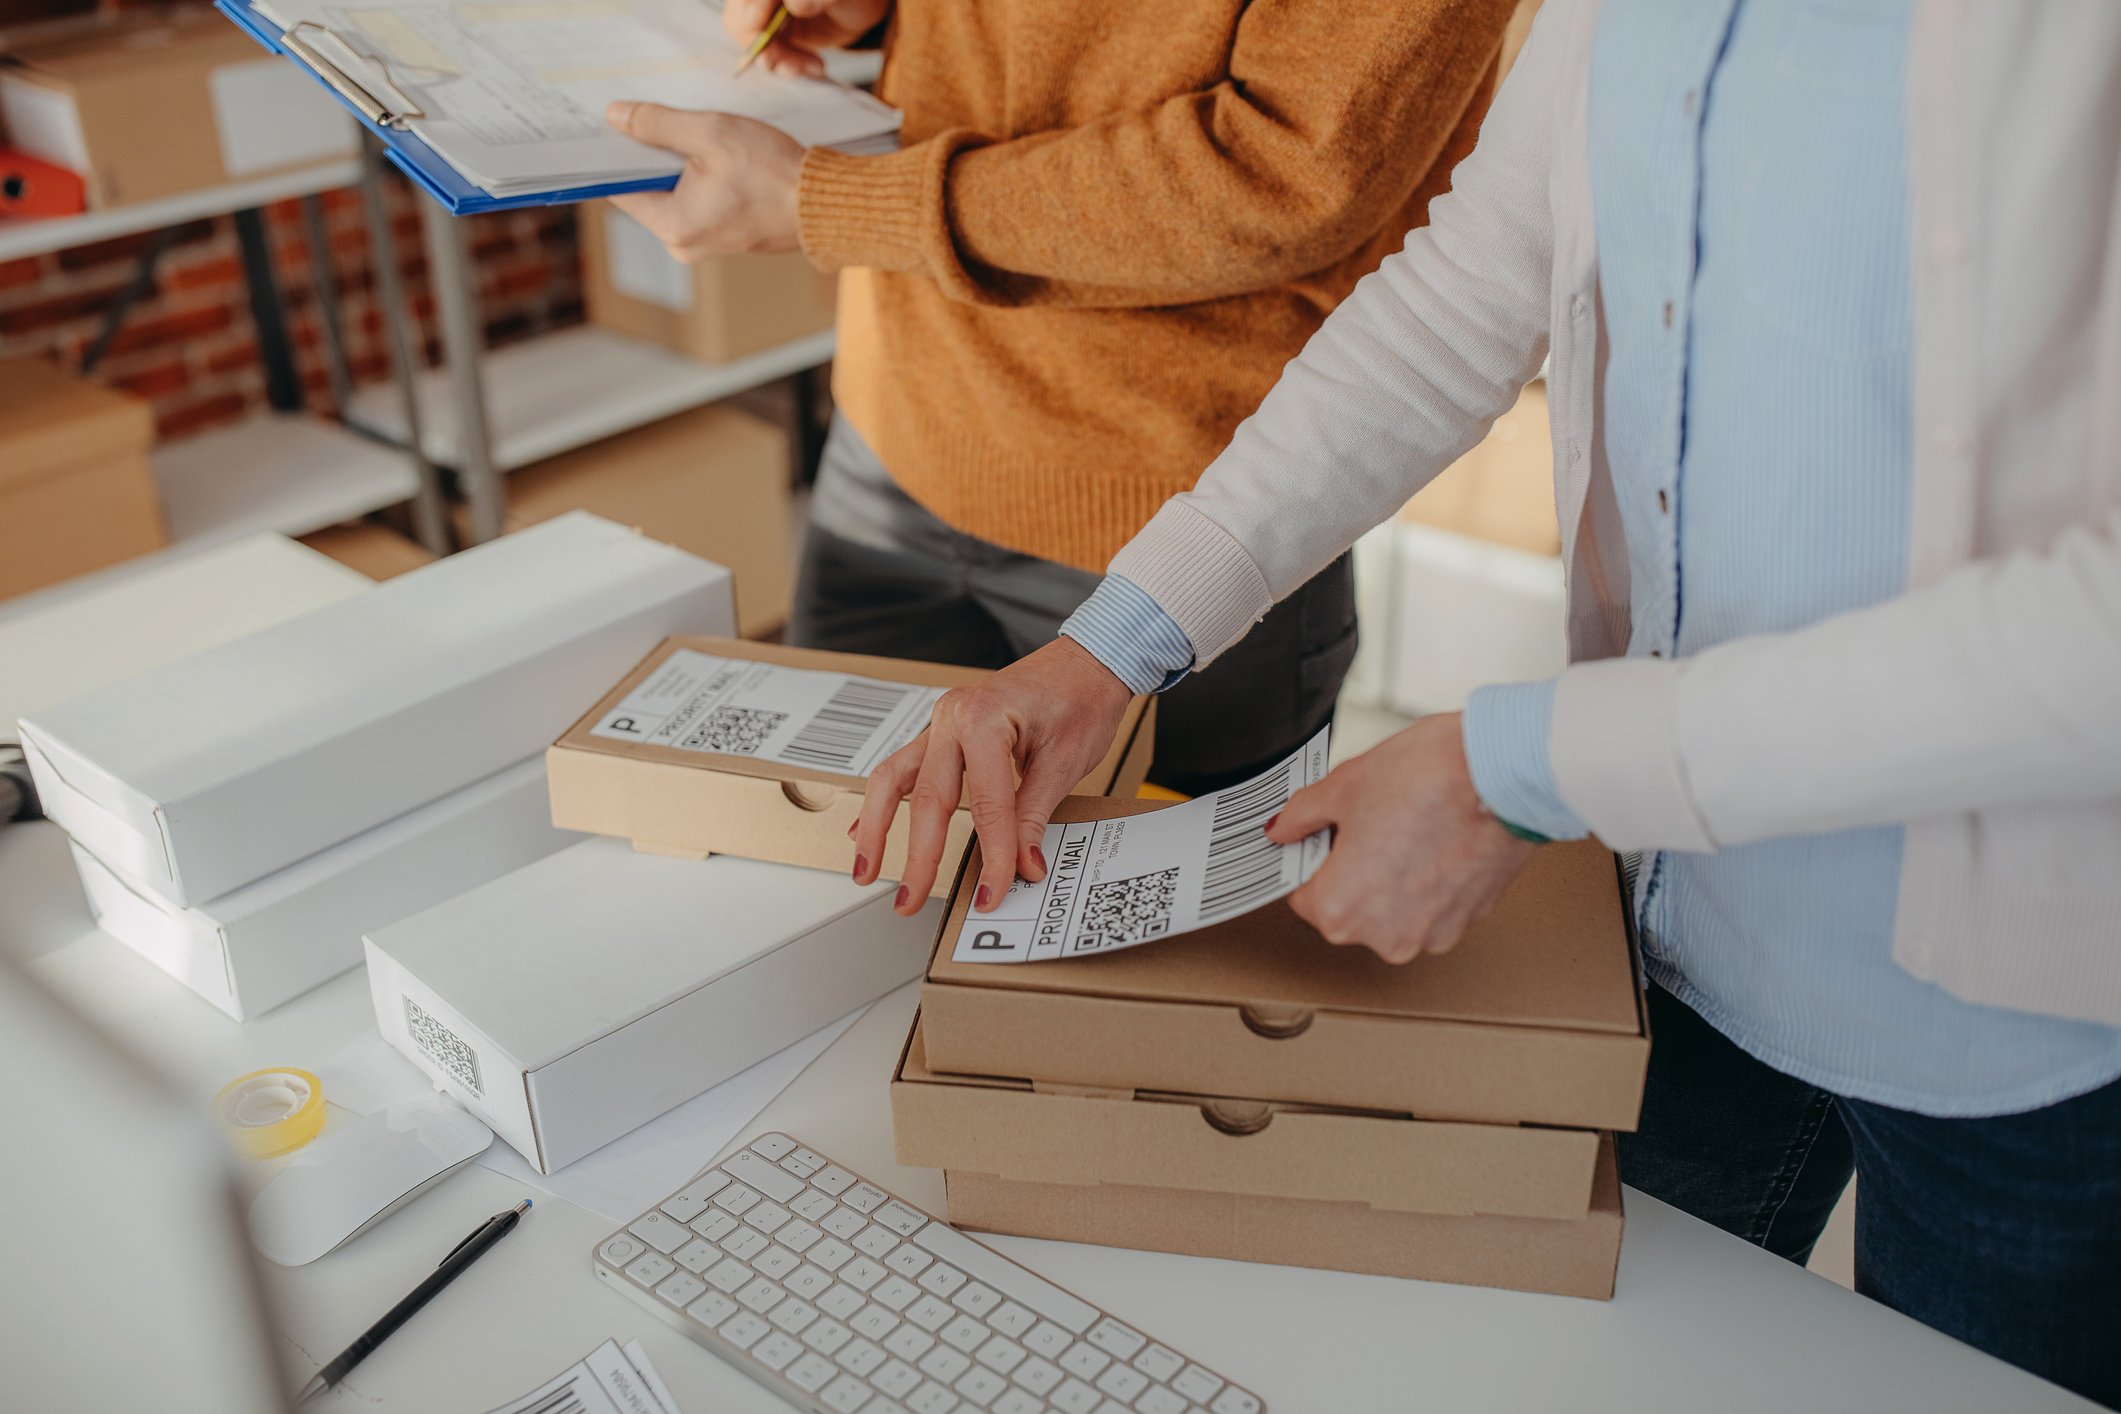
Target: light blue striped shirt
(1749, 177)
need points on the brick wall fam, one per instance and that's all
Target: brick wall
(190, 346)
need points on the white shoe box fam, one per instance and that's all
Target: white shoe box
(1465, 613)
(576, 999)
(213, 771)
(249, 951)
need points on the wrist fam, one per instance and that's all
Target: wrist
(1099, 679)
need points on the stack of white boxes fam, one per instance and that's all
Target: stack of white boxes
(244, 815)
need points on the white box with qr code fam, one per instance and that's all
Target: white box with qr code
(576, 999)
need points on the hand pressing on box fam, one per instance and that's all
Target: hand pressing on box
(813, 27)
(1415, 859)
(1049, 718)
(737, 194)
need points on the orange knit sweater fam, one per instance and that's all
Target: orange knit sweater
(1110, 225)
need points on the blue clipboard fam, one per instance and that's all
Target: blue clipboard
(419, 161)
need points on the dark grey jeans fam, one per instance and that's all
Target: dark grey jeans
(881, 575)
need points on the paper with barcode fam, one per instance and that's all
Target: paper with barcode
(1114, 884)
(697, 701)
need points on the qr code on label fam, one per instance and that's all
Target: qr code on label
(1121, 912)
(442, 1046)
(734, 731)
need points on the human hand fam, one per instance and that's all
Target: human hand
(1051, 716)
(737, 194)
(1415, 860)
(813, 26)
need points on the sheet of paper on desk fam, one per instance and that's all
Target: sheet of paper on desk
(627, 1176)
(1120, 883)
(608, 1380)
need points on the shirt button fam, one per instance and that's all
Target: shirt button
(1579, 306)
(1667, 314)
(1948, 246)
(1664, 502)
(1575, 453)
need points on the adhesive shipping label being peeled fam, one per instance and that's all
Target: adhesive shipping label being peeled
(791, 716)
(1120, 883)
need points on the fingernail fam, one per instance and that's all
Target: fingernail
(900, 900)
(619, 115)
(1270, 820)
(861, 866)
(852, 828)
(980, 896)
(1038, 857)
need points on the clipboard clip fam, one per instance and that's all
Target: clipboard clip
(394, 114)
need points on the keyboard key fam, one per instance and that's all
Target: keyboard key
(813, 1205)
(810, 1373)
(945, 1363)
(901, 1219)
(932, 1398)
(1075, 1397)
(861, 1274)
(1115, 1339)
(697, 1256)
(1047, 1339)
(942, 1278)
(777, 1262)
(714, 1225)
(794, 1315)
(1159, 1362)
(744, 1244)
(729, 1275)
(775, 1351)
(987, 1265)
(980, 1386)
(736, 1198)
(1123, 1383)
(845, 1394)
(874, 1321)
(908, 1343)
(895, 1293)
(842, 1301)
(908, 1260)
(864, 1197)
(829, 1253)
(1197, 1384)
(1159, 1400)
(807, 1282)
(875, 1240)
(665, 1235)
(860, 1356)
(696, 1193)
(929, 1313)
(1084, 1360)
(680, 1289)
(742, 1329)
(712, 1309)
(965, 1333)
(649, 1269)
(895, 1378)
(1235, 1401)
(773, 1146)
(763, 1175)
(797, 1235)
(761, 1295)
(1001, 1354)
(977, 1299)
(620, 1250)
(1015, 1401)
(1011, 1319)
(767, 1217)
(826, 1335)
(842, 1222)
(833, 1179)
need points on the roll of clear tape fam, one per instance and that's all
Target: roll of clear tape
(271, 1112)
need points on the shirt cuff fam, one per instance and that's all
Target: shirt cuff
(1505, 730)
(1124, 628)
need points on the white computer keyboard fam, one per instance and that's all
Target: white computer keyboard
(845, 1299)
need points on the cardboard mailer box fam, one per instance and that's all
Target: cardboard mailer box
(154, 111)
(213, 771)
(1558, 1256)
(270, 941)
(375, 550)
(1536, 1017)
(1080, 1138)
(576, 999)
(717, 310)
(693, 803)
(76, 490)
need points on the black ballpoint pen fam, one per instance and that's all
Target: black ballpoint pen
(460, 1256)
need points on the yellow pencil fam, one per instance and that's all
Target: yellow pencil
(758, 46)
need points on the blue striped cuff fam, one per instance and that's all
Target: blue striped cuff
(1505, 733)
(1129, 632)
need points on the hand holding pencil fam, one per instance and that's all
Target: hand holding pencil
(790, 37)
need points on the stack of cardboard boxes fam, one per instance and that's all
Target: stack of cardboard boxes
(76, 490)
(1250, 1092)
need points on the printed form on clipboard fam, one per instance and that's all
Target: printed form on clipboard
(1136, 879)
(511, 93)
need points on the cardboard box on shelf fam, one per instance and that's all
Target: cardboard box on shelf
(1082, 1138)
(156, 110)
(613, 774)
(1503, 490)
(563, 1031)
(248, 951)
(375, 550)
(717, 310)
(1558, 1256)
(76, 491)
(1536, 1017)
(207, 773)
(713, 481)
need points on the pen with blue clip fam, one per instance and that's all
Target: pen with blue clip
(460, 1257)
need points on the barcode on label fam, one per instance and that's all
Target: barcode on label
(1244, 866)
(833, 738)
(444, 1047)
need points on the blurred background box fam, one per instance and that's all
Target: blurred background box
(156, 110)
(76, 491)
(1503, 490)
(375, 550)
(718, 310)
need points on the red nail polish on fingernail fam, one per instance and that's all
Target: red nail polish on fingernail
(861, 867)
(1270, 820)
(1038, 857)
(900, 900)
(980, 896)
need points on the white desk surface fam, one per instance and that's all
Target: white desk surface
(1701, 1321)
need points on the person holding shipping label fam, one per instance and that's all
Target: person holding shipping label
(1833, 296)
(1108, 227)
